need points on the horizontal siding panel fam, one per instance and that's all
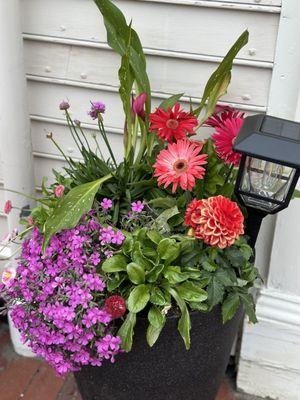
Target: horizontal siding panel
(170, 75)
(174, 27)
(44, 98)
(62, 136)
(223, 3)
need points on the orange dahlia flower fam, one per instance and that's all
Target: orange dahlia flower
(180, 164)
(217, 221)
(173, 124)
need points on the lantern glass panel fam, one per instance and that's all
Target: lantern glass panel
(266, 179)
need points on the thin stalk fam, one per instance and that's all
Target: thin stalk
(229, 174)
(69, 122)
(59, 149)
(24, 195)
(97, 145)
(18, 236)
(102, 131)
(142, 144)
(75, 130)
(135, 133)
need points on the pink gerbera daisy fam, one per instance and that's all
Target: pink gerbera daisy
(180, 164)
(227, 125)
(173, 124)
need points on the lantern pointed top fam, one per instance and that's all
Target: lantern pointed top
(270, 138)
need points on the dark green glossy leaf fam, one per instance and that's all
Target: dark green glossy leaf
(115, 263)
(230, 306)
(138, 298)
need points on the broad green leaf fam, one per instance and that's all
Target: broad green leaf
(127, 246)
(163, 202)
(136, 273)
(296, 194)
(126, 331)
(119, 35)
(168, 249)
(198, 306)
(155, 317)
(174, 275)
(230, 306)
(153, 334)
(220, 79)
(215, 292)
(115, 263)
(158, 297)
(161, 221)
(184, 323)
(226, 277)
(114, 282)
(190, 291)
(170, 102)
(71, 207)
(154, 236)
(248, 302)
(138, 298)
(154, 273)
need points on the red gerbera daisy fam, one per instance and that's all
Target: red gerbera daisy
(217, 221)
(224, 140)
(221, 114)
(173, 124)
(180, 164)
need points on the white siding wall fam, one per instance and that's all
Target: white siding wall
(67, 58)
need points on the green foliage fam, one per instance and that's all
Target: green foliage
(220, 79)
(153, 276)
(70, 208)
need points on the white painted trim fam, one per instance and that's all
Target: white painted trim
(220, 4)
(270, 355)
(148, 51)
(58, 121)
(114, 89)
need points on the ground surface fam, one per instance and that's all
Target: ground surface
(32, 379)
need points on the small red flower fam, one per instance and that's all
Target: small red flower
(217, 221)
(115, 306)
(138, 104)
(173, 124)
(227, 123)
(7, 207)
(59, 190)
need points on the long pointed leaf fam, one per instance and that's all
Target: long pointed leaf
(71, 207)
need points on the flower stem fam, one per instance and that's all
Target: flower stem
(103, 133)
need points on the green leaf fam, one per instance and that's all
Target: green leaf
(168, 249)
(154, 273)
(163, 202)
(174, 275)
(155, 317)
(153, 334)
(71, 207)
(190, 291)
(136, 273)
(127, 246)
(161, 221)
(215, 292)
(248, 302)
(114, 282)
(198, 306)
(296, 194)
(138, 298)
(126, 331)
(115, 263)
(170, 102)
(184, 323)
(226, 277)
(230, 306)
(219, 80)
(158, 297)
(154, 236)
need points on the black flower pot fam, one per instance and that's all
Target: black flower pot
(167, 371)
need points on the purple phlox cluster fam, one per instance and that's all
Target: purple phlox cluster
(109, 236)
(97, 108)
(137, 206)
(57, 298)
(106, 204)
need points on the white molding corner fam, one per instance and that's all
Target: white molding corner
(269, 364)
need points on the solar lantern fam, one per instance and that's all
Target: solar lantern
(269, 167)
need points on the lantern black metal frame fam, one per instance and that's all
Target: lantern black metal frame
(269, 139)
